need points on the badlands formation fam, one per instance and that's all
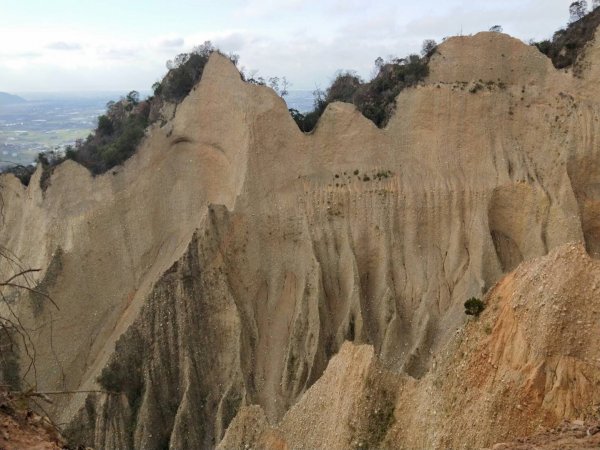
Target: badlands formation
(238, 283)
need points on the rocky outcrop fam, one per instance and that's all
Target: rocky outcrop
(229, 260)
(529, 362)
(355, 386)
(177, 366)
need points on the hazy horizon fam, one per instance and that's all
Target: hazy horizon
(51, 121)
(62, 94)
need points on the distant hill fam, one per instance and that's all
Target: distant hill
(9, 99)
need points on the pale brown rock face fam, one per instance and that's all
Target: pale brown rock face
(226, 263)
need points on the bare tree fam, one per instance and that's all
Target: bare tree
(280, 89)
(13, 334)
(285, 84)
(429, 46)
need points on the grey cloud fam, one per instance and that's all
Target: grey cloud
(306, 61)
(268, 8)
(120, 53)
(524, 20)
(23, 55)
(347, 6)
(371, 27)
(360, 33)
(60, 45)
(321, 37)
(170, 43)
(233, 42)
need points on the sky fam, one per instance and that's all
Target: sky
(120, 45)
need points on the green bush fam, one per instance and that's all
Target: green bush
(105, 125)
(307, 122)
(116, 138)
(184, 72)
(343, 88)
(474, 307)
(157, 88)
(23, 173)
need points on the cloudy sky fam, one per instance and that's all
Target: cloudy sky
(76, 45)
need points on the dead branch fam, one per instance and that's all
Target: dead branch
(89, 391)
(17, 275)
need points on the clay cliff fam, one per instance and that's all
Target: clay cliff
(213, 280)
(526, 364)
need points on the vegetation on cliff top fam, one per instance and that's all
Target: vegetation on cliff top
(121, 129)
(375, 99)
(567, 44)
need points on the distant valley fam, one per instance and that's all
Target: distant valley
(10, 99)
(40, 122)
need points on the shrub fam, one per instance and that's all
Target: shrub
(567, 44)
(184, 72)
(157, 88)
(116, 138)
(105, 125)
(343, 88)
(307, 122)
(543, 46)
(474, 307)
(377, 99)
(577, 10)
(23, 173)
(429, 47)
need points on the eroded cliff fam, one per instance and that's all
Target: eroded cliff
(528, 362)
(228, 261)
